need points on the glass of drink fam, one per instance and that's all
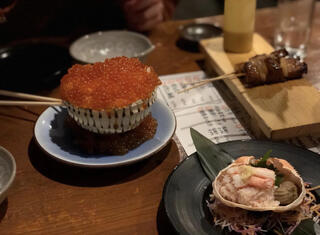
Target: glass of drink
(239, 19)
(294, 26)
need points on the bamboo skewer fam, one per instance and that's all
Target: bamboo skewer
(203, 82)
(21, 103)
(42, 100)
(28, 96)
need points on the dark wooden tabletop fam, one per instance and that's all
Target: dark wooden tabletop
(49, 197)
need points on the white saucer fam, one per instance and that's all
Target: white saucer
(55, 139)
(96, 47)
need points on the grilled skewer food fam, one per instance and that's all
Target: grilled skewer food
(263, 69)
(272, 68)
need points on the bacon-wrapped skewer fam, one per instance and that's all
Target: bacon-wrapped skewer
(272, 68)
(263, 69)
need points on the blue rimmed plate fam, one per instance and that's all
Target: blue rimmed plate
(55, 139)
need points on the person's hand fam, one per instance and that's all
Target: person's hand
(143, 15)
(5, 7)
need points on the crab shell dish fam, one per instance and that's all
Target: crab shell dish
(241, 185)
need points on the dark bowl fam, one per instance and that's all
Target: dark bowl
(191, 34)
(197, 32)
(30, 67)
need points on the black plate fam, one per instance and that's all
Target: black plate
(33, 66)
(191, 34)
(187, 188)
(197, 32)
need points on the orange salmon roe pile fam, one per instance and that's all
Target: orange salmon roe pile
(114, 83)
(112, 144)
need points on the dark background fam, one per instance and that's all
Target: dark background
(74, 18)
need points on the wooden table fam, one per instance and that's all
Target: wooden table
(49, 197)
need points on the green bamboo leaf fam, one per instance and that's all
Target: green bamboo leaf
(306, 227)
(264, 159)
(212, 157)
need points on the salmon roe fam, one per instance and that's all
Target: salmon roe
(112, 144)
(114, 83)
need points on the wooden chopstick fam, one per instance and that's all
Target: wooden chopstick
(203, 82)
(27, 103)
(28, 96)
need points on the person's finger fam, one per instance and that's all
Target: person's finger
(148, 25)
(152, 11)
(155, 11)
(139, 5)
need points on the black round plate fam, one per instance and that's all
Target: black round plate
(187, 188)
(191, 34)
(33, 66)
(196, 32)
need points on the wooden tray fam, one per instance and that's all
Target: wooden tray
(279, 111)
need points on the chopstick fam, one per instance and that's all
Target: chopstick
(22, 103)
(203, 82)
(28, 96)
(40, 100)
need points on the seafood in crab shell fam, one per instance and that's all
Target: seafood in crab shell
(245, 185)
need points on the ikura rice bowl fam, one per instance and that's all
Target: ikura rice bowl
(109, 97)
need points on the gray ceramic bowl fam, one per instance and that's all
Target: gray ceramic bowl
(7, 172)
(98, 46)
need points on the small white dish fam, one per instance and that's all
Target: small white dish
(7, 172)
(55, 139)
(96, 47)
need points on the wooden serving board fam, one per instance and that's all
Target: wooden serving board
(279, 111)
